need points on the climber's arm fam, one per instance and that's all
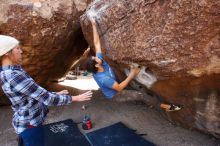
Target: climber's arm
(96, 38)
(119, 87)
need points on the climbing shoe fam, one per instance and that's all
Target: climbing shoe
(174, 108)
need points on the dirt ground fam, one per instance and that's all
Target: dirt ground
(104, 112)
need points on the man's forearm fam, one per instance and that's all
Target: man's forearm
(96, 38)
(125, 83)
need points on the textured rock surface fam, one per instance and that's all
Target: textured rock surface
(201, 100)
(178, 42)
(170, 37)
(49, 31)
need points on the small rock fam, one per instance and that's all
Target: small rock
(83, 107)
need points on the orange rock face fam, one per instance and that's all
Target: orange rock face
(49, 32)
(176, 42)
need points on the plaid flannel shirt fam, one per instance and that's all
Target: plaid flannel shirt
(29, 100)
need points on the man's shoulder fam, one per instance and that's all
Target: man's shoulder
(99, 54)
(104, 78)
(11, 74)
(8, 72)
(101, 75)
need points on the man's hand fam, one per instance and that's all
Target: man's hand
(63, 92)
(134, 72)
(93, 21)
(83, 97)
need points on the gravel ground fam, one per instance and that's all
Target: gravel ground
(103, 113)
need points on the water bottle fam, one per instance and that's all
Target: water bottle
(86, 124)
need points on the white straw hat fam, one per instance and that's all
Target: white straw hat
(7, 43)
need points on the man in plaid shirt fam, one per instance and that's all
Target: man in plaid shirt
(29, 100)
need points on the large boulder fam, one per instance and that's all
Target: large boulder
(50, 34)
(177, 44)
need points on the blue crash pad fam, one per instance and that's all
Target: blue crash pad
(116, 135)
(63, 133)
